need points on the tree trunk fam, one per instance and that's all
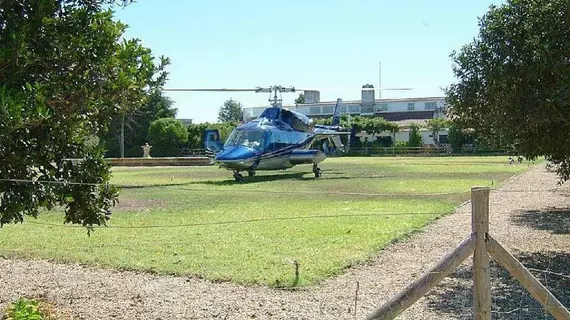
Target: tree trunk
(122, 138)
(435, 137)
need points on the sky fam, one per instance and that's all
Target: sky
(330, 45)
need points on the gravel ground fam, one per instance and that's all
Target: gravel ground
(531, 222)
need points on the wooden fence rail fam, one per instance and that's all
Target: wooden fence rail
(480, 244)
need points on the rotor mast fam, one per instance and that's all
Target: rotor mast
(276, 101)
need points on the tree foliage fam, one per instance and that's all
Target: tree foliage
(435, 126)
(456, 138)
(231, 111)
(167, 136)
(393, 129)
(196, 135)
(359, 124)
(137, 123)
(512, 80)
(64, 72)
(300, 99)
(415, 137)
(374, 126)
(196, 132)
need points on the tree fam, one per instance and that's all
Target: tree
(167, 136)
(137, 122)
(375, 125)
(456, 137)
(513, 83)
(137, 71)
(358, 123)
(300, 99)
(62, 78)
(231, 111)
(415, 137)
(196, 135)
(435, 126)
(196, 132)
(225, 129)
(393, 128)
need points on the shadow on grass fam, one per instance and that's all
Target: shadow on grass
(229, 181)
(299, 176)
(257, 179)
(555, 220)
(510, 300)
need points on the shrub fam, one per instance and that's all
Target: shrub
(24, 309)
(415, 136)
(167, 136)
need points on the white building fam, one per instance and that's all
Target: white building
(185, 122)
(401, 111)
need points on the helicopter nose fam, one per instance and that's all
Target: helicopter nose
(236, 158)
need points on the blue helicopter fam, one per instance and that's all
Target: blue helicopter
(278, 139)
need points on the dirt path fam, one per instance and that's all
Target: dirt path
(534, 224)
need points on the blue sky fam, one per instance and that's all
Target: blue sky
(333, 45)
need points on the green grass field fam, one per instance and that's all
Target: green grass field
(198, 221)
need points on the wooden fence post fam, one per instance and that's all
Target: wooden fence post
(426, 282)
(480, 243)
(481, 275)
(528, 281)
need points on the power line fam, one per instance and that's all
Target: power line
(248, 220)
(242, 190)
(51, 182)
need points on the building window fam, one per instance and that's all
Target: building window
(431, 105)
(367, 109)
(315, 110)
(382, 107)
(353, 109)
(411, 106)
(327, 109)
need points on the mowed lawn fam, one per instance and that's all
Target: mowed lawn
(198, 221)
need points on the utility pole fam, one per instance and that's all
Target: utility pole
(379, 80)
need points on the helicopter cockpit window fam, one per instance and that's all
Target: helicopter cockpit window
(270, 113)
(246, 138)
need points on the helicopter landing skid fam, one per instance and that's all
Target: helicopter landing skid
(238, 176)
(317, 171)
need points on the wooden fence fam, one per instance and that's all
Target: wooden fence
(423, 151)
(480, 244)
(160, 161)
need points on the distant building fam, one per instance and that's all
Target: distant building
(404, 112)
(186, 122)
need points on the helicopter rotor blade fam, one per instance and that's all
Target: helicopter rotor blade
(281, 89)
(210, 89)
(357, 89)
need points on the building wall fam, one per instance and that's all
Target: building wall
(312, 96)
(404, 135)
(400, 106)
(354, 107)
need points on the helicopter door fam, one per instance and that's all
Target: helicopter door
(212, 141)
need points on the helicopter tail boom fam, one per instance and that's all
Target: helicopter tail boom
(306, 156)
(336, 113)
